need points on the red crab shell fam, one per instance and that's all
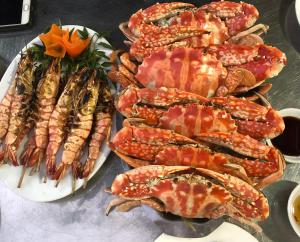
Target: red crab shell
(183, 68)
(170, 25)
(192, 193)
(222, 70)
(237, 16)
(191, 114)
(140, 146)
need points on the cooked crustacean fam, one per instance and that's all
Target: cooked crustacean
(28, 126)
(31, 113)
(218, 71)
(140, 146)
(84, 107)
(5, 109)
(59, 117)
(5, 114)
(20, 107)
(168, 25)
(101, 128)
(46, 93)
(190, 114)
(46, 98)
(189, 192)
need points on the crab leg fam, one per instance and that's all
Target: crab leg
(124, 205)
(250, 36)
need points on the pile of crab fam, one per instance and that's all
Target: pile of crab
(196, 149)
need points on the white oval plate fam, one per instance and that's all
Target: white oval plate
(33, 187)
(226, 232)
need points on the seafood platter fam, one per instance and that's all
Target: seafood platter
(191, 89)
(56, 111)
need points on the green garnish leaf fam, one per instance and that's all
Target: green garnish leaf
(105, 45)
(70, 33)
(83, 34)
(103, 34)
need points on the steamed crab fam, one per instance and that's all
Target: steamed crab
(177, 24)
(191, 114)
(140, 146)
(189, 192)
(217, 70)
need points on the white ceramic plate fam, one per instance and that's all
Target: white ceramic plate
(289, 112)
(33, 187)
(226, 232)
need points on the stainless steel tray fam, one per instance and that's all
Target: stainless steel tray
(81, 217)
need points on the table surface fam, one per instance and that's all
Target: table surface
(81, 216)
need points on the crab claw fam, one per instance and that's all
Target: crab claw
(268, 171)
(238, 16)
(248, 66)
(252, 119)
(155, 13)
(269, 63)
(154, 39)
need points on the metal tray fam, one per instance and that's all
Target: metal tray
(82, 216)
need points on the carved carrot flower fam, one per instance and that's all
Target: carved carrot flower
(74, 43)
(60, 42)
(53, 42)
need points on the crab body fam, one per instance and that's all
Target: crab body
(190, 114)
(169, 25)
(140, 146)
(190, 192)
(218, 70)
